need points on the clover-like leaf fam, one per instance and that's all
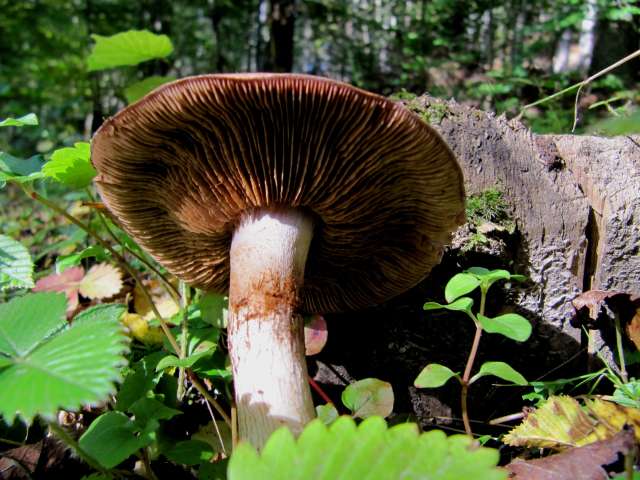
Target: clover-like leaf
(16, 266)
(49, 365)
(501, 370)
(369, 450)
(327, 413)
(139, 89)
(30, 119)
(434, 375)
(460, 284)
(511, 325)
(369, 397)
(71, 166)
(187, 362)
(127, 48)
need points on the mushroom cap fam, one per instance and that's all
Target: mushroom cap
(179, 168)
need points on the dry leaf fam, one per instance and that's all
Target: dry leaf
(166, 306)
(101, 281)
(67, 282)
(562, 422)
(584, 463)
(315, 335)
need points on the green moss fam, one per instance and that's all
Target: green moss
(402, 95)
(488, 206)
(434, 113)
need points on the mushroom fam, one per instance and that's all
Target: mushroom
(297, 194)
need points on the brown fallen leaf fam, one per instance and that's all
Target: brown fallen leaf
(584, 463)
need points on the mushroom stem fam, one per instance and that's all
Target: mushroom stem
(266, 335)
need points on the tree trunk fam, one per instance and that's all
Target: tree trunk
(281, 20)
(574, 200)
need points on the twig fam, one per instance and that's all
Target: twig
(578, 86)
(203, 391)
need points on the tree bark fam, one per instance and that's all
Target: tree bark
(574, 200)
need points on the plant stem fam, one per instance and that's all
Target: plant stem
(203, 391)
(171, 290)
(185, 301)
(147, 464)
(70, 441)
(319, 391)
(469, 367)
(623, 367)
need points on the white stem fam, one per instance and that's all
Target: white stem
(266, 336)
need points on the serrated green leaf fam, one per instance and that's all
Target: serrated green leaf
(189, 452)
(127, 48)
(434, 375)
(511, 325)
(463, 304)
(370, 450)
(71, 166)
(28, 320)
(139, 89)
(16, 266)
(67, 261)
(369, 397)
(501, 370)
(30, 119)
(54, 368)
(460, 284)
(112, 438)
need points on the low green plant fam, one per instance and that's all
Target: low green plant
(511, 325)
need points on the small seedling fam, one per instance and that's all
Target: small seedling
(511, 325)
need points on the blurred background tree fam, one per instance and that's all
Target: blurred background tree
(495, 55)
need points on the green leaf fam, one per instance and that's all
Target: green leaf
(25, 321)
(189, 452)
(112, 438)
(463, 304)
(187, 362)
(49, 365)
(67, 261)
(139, 89)
(434, 375)
(460, 284)
(139, 381)
(500, 370)
(369, 450)
(511, 325)
(19, 170)
(214, 309)
(71, 166)
(127, 48)
(148, 409)
(478, 271)
(16, 266)
(30, 119)
(369, 397)
(327, 413)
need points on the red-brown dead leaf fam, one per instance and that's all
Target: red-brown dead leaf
(585, 463)
(315, 335)
(66, 282)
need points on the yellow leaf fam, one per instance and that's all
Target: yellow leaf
(562, 422)
(139, 329)
(101, 281)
